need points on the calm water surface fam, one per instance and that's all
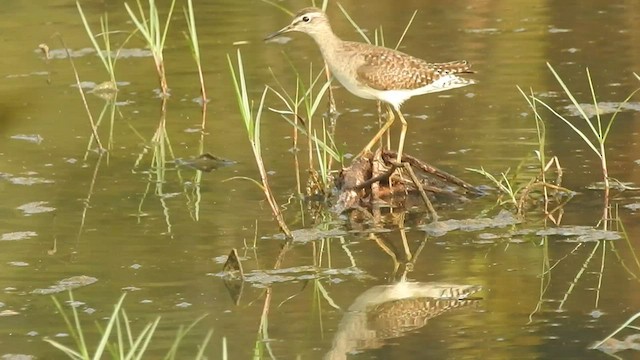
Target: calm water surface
(67, 212)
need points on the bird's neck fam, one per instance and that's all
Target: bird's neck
(327, 41)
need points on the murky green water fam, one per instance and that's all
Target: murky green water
(68, 212)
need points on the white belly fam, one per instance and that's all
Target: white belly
(350, 84)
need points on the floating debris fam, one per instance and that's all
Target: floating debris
(440, 228)
(489, 31)
(613, 345)
(18, 264)
(20, 180)
(603, 108)
(34, 138)
(580, 233)
(18, 235)
(555, 30)
(5, 313)
(205, 162)
(615, 185)
(131, 53)
(120, 54)
(33, 73)
(17, 357)
(66, 284)
(62, 53)
(36, 207)
(307, 235)
(263, 279)
(632, 207)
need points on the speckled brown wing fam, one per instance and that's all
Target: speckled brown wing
(386, 69)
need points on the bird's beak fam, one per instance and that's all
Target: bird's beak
(279, 32)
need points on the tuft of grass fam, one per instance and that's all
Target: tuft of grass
(155, 35)
(503, 184)
(324, 166)
(105, 55)
(517, 192)
(322, 147)
(118, 338)
(192, 36)
(252, 122)
(133, 347)
(598, 131)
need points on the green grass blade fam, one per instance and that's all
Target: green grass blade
(141, 25)
(68, 351)
(321, 162)
(615, 114)
(78, 327)
(258, 121)
(353, 23)
(166, 25)
(318, 98)
(406, 29)
(573, 100)
(595, 107)
(540, 126)
(193, 33)
(75, 329)
(285, 100)
(224, 349)
(94, 42)
(154, 22)
(575, 129)
(107, 332)
(203, 346)
(276, 5)
(241, 93)
(181, 334)
(256, 182)
(111, 60)
(492, 178)
(141, 11)
(334, 154)
(142, 342)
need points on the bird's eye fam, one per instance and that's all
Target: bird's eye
(305, 18)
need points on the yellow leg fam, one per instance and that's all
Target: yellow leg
(383, 129)
(403, 133)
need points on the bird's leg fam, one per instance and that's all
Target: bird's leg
(379, 103)
(389, 115)
(403, 132)
(383, 129)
